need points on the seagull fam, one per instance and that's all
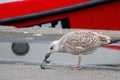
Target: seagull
(77, 43)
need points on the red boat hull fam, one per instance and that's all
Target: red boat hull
(105, 16)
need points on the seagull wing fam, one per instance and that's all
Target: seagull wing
(77, 41)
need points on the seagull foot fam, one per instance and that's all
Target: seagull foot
(76, 67)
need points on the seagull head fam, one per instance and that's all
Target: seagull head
(54, 47)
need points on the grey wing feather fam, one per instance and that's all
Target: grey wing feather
(80, 41)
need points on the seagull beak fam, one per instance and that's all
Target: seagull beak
(45, 61)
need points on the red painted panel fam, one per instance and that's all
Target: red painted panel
(24, 7)
(105, 16)
(99, 17)
(112, 47)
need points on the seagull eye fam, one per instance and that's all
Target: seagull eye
(51, 48)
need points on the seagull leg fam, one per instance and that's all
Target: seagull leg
(78, 66)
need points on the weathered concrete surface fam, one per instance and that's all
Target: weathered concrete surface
(36, 34)
(33, 72)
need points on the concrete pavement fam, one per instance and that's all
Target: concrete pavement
(34, 72)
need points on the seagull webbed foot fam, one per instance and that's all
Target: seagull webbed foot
(76, 67)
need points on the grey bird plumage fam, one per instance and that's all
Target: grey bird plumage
(79, 43)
